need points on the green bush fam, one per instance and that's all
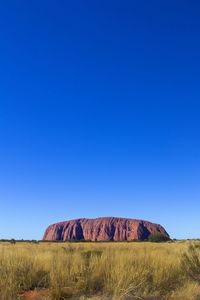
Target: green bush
(158, 238)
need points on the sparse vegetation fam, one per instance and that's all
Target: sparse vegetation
(102, 270)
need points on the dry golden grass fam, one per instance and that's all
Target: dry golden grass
(97, 271)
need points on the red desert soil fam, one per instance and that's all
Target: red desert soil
(43, 295)
(34, 295)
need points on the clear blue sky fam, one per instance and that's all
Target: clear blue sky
(99, 113)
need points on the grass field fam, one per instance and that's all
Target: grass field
(99, 271)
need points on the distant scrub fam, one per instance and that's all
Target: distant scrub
(115, 271)
(158, 238)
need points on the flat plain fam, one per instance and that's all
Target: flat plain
(81, 270)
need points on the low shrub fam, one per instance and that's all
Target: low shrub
(158, 238)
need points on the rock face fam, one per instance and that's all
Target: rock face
(102, 229)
